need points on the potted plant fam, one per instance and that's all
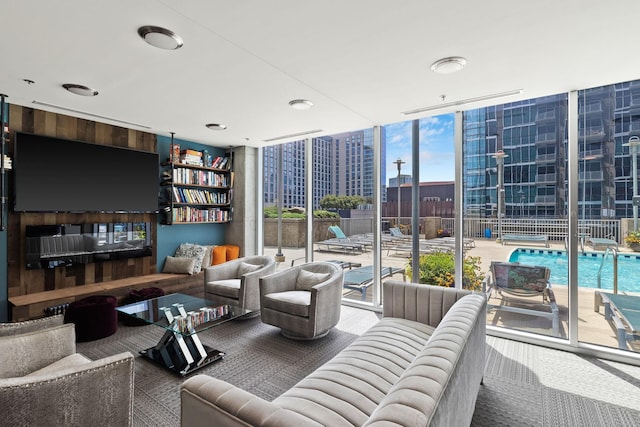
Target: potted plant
(438, 268)
(633, 240)
(443, 232)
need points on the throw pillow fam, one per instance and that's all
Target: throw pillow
(219, 255)
(307, 279)
(190, 250)
(245, 268)
(206, 260)
(178, 265)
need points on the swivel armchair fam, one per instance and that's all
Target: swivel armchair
(235, 282)
(43, 381)
(303, 301)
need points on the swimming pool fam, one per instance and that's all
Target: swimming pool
(588, 266)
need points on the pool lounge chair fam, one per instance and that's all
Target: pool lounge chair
(522, 280)
(342, 243)
(595, 242)
(526, 238)
(347, 247)
(624, 312)
(359, 279)
(396, 233)
(366, 241)
(426, 247)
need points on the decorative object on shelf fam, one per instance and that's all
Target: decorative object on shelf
(174, 153)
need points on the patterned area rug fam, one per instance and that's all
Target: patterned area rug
(524, 385)
(258, 359)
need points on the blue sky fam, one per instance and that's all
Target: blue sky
(436, 148)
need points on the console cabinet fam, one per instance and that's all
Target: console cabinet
(196, 194)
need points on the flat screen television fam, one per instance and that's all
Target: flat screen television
(59, 175)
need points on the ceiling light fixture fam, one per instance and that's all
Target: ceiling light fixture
(448, 65)
(300, 104)
(216, 126)
(464, 101)
(160, 37)
(80, 89)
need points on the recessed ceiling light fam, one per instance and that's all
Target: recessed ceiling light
(301, 104)
(216, 126)
(160, 37)
(80, 89)
(448, 65)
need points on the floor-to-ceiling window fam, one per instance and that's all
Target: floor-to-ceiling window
(519, 161)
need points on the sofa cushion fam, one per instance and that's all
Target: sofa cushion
(292, 302)
(348, 389)
(218, 255)
(227, 288)
(190, 250)
(178, 265)
(70, 361)
(308, 279)
(245, 267)
(206, 259)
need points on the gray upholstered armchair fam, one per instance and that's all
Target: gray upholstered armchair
(43, 381)
(235, 282)
(16, 328)
(303, 301)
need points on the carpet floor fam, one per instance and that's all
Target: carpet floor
(524, 385)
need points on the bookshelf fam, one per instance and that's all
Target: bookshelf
(195, 193)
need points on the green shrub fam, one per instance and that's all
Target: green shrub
(438, 269)
(272, 212)
(325, 214)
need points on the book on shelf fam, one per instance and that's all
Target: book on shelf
(193, 153)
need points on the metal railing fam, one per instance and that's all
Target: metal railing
(555, 229)
(614, 251)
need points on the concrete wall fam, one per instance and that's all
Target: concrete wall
(294, 232)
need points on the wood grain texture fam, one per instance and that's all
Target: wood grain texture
(26, 282)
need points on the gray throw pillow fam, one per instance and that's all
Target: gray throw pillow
(245, 268)
(206, 260)
(190, 250)
(178, 265)
(307, 279)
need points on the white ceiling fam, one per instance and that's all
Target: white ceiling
(361, 62)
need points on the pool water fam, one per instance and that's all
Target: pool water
(588, 266)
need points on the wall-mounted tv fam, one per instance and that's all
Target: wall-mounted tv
(59, 175)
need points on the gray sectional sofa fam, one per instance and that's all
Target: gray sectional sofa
(421, 364)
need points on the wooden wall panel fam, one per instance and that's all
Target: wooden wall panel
(24, 282)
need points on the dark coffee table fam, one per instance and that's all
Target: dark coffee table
(182, 316)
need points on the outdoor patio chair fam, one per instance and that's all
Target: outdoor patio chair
(624, 312)
(396, 233)
(360, 279)
(522, 280)
(342, 243)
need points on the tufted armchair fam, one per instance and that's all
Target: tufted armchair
(43, 381)
(16, 328)
(303, 301)
(235, 282)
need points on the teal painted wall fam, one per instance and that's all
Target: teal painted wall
(170, 236)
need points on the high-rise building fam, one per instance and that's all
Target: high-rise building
(533, 135)
(343, 165)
